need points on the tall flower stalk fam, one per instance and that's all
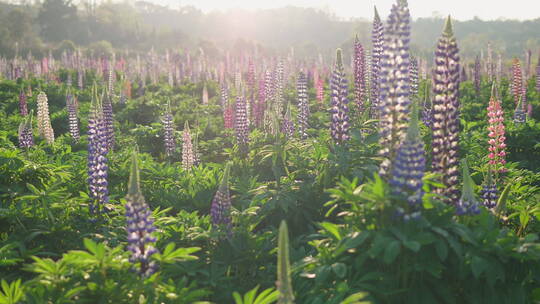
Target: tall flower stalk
(377, 40)
(394, 84)
(108, 120)
(408, 170)
(43, 120)
(220, 209)
(188, 158)
(26, 136)
(359, 74)
(445, 111)
(23, 105)
(97, 158)
(489, 193)
(517, 81)
(413, 72)
(284, 282)
(140, 225)
(477, 75)
(287, 126)
(72, 116)
(303, 106)
(241, 124)
(168, 132)
(339, 127)
(496, 133)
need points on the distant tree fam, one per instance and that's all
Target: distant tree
(58, 20)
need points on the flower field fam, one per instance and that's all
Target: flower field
(375, 175)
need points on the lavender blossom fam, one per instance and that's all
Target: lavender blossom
(445, 127)
(477, 76)
(394, 84)
(139, 225)
(339, 127)
(413, 73)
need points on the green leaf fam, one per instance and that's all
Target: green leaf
(442, 249)
(339, 269)
(332, 228)
(478, 265)
(391, 251)
(412, 245)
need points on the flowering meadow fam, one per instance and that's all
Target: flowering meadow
(376, 175)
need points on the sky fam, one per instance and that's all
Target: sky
(459, 9)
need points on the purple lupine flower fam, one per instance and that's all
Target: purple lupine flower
(97, 158)
(359, 74)
(220, 209)
(139, 225)
(467, 204)
(224, 101)
(339, 127)
(278, 88)
(463, 76)
(241, 124)
(477, 75)
(394, 84)
(287, 126)
(445, 113)
(517, 81)
(72, 116)
(489, 193)
(377, 39)
(188, 158)
(108, 121)
(408, 170)
(26, 136)
(413, 73)
(303, 106)
(168, 132)
(23, 105)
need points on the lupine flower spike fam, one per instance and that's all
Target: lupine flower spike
(477, 75)
(339, 127)
(408, 170)
(303, 106)
(467, 204)
(394, 84)
(287, 126)
(44, 122)
(72, 116)
(168, 132)
(108, 120)
(496, 132)
(188, 158)
(221, 204)
(23, 106)
(446, 113)
(97, 160)
(377, 40)
(359, 74)
(517, 81)
(427, 117)
(26, 136)
(490, 195)
(140, 225)
(241, 124)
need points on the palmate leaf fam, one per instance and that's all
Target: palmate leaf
(11, 293)
(267, 296)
